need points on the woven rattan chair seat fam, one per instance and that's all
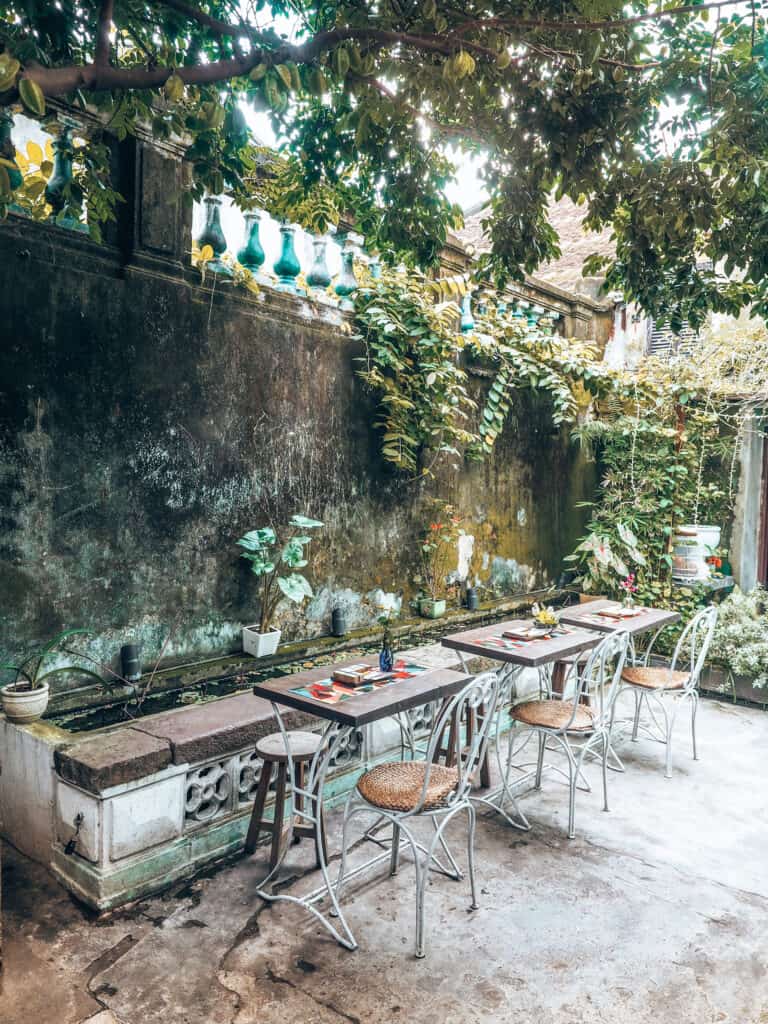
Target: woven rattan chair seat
(654, 678)
(396, 786)
(554, 714)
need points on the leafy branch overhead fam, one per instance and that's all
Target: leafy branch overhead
(651, 115)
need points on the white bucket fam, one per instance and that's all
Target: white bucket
(692, 545)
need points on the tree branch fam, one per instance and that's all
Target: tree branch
(219, 28)
(101, 53)
(61, 80)
(581, 26)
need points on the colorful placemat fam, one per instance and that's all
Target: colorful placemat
(401, 670)
(506, 643)
(603, 616)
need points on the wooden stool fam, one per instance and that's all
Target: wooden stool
(445, 751)
(271, 749)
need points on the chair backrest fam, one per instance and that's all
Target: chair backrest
(477, 700)
(692, 647)
(600, 677)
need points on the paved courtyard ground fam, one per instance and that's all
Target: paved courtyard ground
(657, 911)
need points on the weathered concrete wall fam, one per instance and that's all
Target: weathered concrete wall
(145, 420)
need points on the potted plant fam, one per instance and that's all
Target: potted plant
(629, 586)
(438, 554)
(274, 560)
(386, 654)
(544, 617)
(26, 698)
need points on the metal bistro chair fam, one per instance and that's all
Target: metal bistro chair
(679, 681)
(580, 722)
(402, 791)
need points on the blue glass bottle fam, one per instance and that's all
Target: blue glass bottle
(386, 657)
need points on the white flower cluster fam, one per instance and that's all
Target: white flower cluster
(741, 637)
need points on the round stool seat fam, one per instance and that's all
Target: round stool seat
(304, 746)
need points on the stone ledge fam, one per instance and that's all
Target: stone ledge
(217, 729)
(112, 758)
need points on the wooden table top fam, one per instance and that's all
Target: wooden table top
(361, 708)
(586, 615)
(529, 653)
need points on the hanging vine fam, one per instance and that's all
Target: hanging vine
(413, 364)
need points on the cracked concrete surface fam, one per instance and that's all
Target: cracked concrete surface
(656, 912)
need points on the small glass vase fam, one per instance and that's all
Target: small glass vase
(386, 657)
(628, 601)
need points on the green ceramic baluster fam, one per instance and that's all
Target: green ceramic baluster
(287, 266)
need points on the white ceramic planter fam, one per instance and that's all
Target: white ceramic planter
(260, 645)
(431, 609)
(24, 705)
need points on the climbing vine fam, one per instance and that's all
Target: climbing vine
(668, 436)
(411, 365)
(415, 364)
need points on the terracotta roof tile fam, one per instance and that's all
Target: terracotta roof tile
(575, 244)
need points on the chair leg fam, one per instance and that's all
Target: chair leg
(471, 856)
(297, 802)
(694, 709)
(422, 874)
(394, 856)
(540, 760)
(638, 707)
(573, 778)
(277, 822)
(485, 764)
(670, 723)
(257, 813)
(457, 872)
(606, 748)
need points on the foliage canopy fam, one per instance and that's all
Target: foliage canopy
(652, 116)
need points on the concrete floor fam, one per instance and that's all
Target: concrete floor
(657, 912)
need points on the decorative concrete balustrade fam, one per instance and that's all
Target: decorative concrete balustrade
(321, 283)
(123, 811)
(58, 192)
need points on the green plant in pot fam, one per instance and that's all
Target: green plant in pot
(26, 697)
(275, 557)
(438, 556)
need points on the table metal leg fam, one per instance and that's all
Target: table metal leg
(502, 796)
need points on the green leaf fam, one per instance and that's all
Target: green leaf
(295, 587)
(255, 540)
(305, 523)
